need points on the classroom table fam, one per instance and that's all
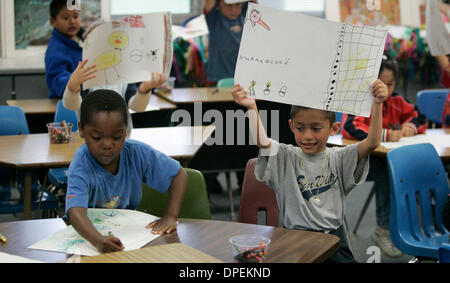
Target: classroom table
(39, 112)
(34, 151)
(444, 152)
(21, 66)
(208, 236)
(200, 94)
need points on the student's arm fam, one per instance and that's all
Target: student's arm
(82, 224)
(139, 101)
(373, 140)
(72, 97)
(208, 6)
(177, 189)
(257, 130)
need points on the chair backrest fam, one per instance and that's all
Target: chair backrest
(444, 253)
(195, 203)
(64, 114)
(419, 189)
(256, 196)
(13, 121)
(226, 82)
(431, 103)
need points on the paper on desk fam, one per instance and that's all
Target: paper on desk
(7, 258)
(438, 38)
(127, 225)
(296, 59)
(128, 49)
(435, 140)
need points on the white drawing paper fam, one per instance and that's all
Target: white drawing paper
(438, 38)
(127, 225)
(296, 59)
(128, 49)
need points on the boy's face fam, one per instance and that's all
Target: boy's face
(105, 136)
(388, 78)
(231, 11)
(67, 22)
(311, 130)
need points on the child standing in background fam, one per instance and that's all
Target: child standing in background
(225, 23)
(400, 119)
(63, 51)
(445, 66)
(108, 171)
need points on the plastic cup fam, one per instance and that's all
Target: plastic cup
(59, 132)
(249, 248)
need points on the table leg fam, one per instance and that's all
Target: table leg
(26, 192)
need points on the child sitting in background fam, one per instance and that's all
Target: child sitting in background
(108, 171)
(64, 50)
(400, 119)
(311, 181)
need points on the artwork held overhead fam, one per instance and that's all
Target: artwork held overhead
(128, 49)
(296, 59)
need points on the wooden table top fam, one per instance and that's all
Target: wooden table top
(35, 150)
(48, 106)
(209, 236)
(35, 106)
(200, 94)
(444, 152)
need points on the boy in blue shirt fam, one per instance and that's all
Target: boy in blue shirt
(63, 51)
(108, 171)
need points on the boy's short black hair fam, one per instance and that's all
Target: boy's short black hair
(102, 100)
(56, 6)
(388, 62)
(329, 115)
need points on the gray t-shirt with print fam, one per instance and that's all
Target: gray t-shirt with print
(312, 196)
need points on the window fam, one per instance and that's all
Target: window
(310, 7)
(121, 7)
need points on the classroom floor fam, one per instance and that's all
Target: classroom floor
(361, 242)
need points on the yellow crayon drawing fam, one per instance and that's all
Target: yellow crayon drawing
(110, 59)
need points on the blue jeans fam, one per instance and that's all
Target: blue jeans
(379, 173)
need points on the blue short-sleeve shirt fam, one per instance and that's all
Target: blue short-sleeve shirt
(91, 186)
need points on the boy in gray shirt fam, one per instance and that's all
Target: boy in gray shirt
(311, 181)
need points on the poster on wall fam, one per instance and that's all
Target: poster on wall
(373, 13)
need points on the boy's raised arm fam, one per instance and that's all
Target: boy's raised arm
(208, 5)
(373, 139)
(257, 130)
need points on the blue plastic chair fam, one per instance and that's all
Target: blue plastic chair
(58, 176)
(225, 82)
(444, 253)
(431, 103)
(419, 190)
(64, 114)
(13, 122)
